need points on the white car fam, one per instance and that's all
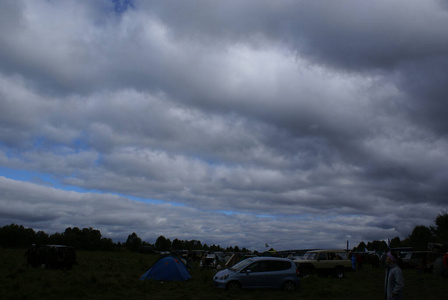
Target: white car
(260, 272)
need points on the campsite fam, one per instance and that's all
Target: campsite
(116, 275)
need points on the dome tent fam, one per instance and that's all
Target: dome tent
(167, 268)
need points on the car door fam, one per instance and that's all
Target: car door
(322, 259)
(276, 273)
(254, 275)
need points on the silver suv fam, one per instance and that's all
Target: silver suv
(259, 272)
(324, 262)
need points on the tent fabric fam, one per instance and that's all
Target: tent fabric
(169, 269)
(232, 260)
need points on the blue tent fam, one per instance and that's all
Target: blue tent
(167, 268)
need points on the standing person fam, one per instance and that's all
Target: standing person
(353, 262)
(394, 281)
(203, 261)
(359, 261)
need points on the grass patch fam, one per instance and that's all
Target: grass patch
(115, 275)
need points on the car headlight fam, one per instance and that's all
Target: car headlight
(223, 277)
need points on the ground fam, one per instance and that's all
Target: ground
(115, 275)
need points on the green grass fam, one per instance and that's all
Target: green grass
(115, 275)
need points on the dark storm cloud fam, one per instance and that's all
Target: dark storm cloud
(407, 40)
(346, 33)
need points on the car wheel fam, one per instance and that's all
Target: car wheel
(306, 271)
(340, 272)
(233, 285)
(289, 286)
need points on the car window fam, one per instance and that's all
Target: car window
(241, 265)
(331, 255)
(322, 256)
(341, 255)
(259, 266)
(310, 255)
(278, 265)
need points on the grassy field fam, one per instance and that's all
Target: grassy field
(115, 275)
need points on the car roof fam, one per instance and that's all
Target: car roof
(257, 258)
(328, 250)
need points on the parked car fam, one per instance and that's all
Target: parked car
(324, 262)
(423, 260)
(260, 272)
(51, 256)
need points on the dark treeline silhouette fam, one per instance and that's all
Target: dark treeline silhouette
(418, 240)
(17, 236)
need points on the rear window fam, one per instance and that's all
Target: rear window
(279, 265)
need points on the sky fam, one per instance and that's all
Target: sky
(297, 124)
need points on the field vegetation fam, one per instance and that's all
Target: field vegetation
(115, 275)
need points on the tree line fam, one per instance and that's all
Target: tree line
(17, 236)
(418, 240)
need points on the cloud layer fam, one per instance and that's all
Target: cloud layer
(300, 124)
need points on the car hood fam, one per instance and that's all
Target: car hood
(224, 273)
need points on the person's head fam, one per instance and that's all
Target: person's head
(391, 258)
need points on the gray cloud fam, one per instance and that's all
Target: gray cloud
(331, 116)
(53, 210)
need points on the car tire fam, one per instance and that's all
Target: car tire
(306, 271)
(289, 285)
(339, 272)
(233, 285)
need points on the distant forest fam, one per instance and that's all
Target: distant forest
(17, 236)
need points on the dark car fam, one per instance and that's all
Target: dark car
(423, 260)
(324, 262)
(51, 256)
(260, 272)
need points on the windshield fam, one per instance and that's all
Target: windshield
(241, 265)
(310, 255)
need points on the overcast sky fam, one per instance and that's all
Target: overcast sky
(299, 124)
